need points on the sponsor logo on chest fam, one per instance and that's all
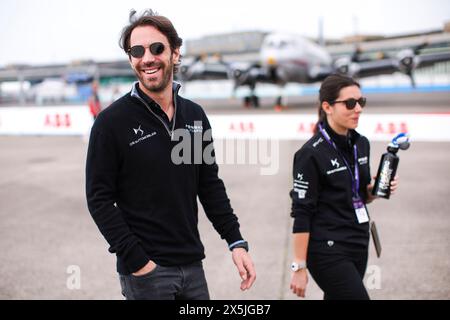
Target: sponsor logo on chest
(140, 135)
(337, 166)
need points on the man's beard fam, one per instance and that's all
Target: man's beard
(151, 85)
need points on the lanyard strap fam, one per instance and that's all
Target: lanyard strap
(354, 176)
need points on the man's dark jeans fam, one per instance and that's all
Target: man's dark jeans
(186, 282)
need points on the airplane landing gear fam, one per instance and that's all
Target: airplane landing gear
(251, 101)
(279, 104)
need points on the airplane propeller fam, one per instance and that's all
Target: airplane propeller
(407, 63)
(245, 76)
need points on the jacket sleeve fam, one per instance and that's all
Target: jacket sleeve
(102, 168)
(212, 193)
(305, 191)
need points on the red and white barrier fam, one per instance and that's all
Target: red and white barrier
(377, 127)
(57, 120)
(77, 120)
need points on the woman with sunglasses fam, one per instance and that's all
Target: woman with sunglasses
(329, 197)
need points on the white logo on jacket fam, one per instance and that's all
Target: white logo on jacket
(142, 137)
(301, 186)
(335, 163)
(363, 160)
(138, 130)
(301, 193)
(317, 142)
(197, 127)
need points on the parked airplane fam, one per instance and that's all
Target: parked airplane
(288, 58)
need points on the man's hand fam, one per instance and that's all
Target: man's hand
(299, 280)
(149, 267)
(245, 267)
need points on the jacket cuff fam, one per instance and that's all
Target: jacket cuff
(301, 225)
(136, 258)
(233, 236)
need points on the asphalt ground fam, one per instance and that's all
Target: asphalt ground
(47, 235)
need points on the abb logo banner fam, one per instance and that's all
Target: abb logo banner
(284, 127)
(391, 128)
(58, 120)
(376, 127)
(306, 128)
(242, 127)
(421, 127)
(77, 120)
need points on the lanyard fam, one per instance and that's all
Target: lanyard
(354, 176)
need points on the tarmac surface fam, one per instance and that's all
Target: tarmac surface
(47, 235)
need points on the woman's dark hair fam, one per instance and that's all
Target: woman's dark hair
(329, 92)
(151, 18)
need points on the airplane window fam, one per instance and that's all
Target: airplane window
(277, 44)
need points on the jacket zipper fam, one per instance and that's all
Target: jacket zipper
(160, 119)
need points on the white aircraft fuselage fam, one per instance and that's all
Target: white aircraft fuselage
(293, 58)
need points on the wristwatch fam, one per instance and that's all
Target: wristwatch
(241, 244)
(295, 266)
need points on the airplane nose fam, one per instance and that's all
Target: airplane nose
(271, 61)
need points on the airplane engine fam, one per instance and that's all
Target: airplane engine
(342, 65)
(244, 76)
(237, 75)
(406, 61)
(183, 73)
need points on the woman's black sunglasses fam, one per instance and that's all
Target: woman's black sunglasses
(350, 104)
(138, 51)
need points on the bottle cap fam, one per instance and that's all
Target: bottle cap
(400, 141)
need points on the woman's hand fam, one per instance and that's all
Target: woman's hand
(299, 282)
(394, 186)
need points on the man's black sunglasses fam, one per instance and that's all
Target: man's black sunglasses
(138, 51)
(350, 104)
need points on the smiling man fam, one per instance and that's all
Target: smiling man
(144, 202)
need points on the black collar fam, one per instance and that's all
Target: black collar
(342, 142)
(147, 99)
(138, 93)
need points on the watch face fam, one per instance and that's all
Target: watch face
(297, 266)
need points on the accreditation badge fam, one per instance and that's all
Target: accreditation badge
(360, 210)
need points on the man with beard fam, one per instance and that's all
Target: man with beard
(143, 200)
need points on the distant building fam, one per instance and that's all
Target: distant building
(230, 43)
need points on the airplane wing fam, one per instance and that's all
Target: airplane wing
(242, 73)
(198, 69)
(406, 62)
(369, 68)
(430, 59)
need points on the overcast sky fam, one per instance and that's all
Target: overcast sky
(59, 31)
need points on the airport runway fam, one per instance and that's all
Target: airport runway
(45, 227)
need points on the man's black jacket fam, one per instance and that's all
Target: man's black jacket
(144, 204)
